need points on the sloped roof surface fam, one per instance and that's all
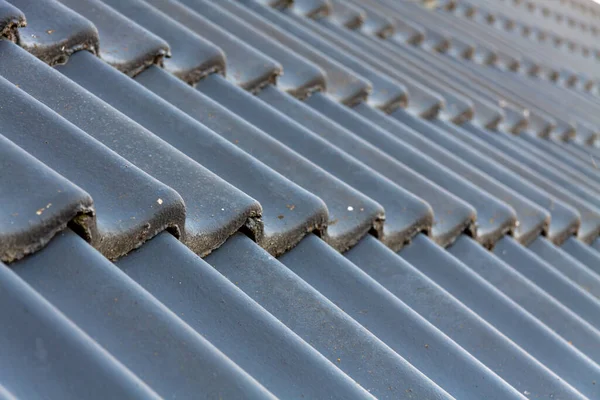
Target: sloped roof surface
(345, 199)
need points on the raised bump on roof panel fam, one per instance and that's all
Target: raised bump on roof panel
(53, 31)
(214, 209)
(289, 212)
(236, 324)
(37, 202)
(345, 227)
(126, 200)
(129, 322)
(246, 66)
(43, 352)
(11, 19)
(123, 44)
(192, 56)
(294, 302)
(393, 322)
(504, 314)
(462, 325)
(341, 83)
(301, 77)
(405, 213)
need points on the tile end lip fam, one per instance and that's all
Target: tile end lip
(18, 246)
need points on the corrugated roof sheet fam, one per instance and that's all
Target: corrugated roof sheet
(344, 199)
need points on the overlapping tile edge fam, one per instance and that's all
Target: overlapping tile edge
(410, 174)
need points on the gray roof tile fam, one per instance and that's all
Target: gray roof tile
(430, 190)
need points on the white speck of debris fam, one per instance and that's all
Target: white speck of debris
(526, 393)
(49, 205)
(222, 209)
(350, 208)
(159, 201)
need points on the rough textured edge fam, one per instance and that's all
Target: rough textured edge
(10, 30)
(44, 234)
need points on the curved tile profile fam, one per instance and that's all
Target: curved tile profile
(406, 214)
(289, 212)
(43, 352)
(347, 15)
(36, 202)
(533, 219)
(460, 323)
(243, 330)
(11, 19)
(363, 149)
(347, 344)
(131, 324)
(388, 93)
(344, 228)
(311, 8)
(494, 217)
(54, 32)
(567, 265)
(130, 206)
(588, 220)
(550, 280)
(541, 304)
(341, 83)
(192, 56)
(423, 100)
(214, 208)
(301, 77)
(583, 253)
(246, 66)
(529, 333)
(396, 324)
(123, 44)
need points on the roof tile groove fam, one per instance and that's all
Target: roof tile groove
(127, 211)
(54, 31)
(341, 83)
(214, 209)
(300, 78)
(109, 315)
(393, 199)
(40, 347)
(192, 56)
(123, 44)
(37, 202)
(284, 225)
(344, 227)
